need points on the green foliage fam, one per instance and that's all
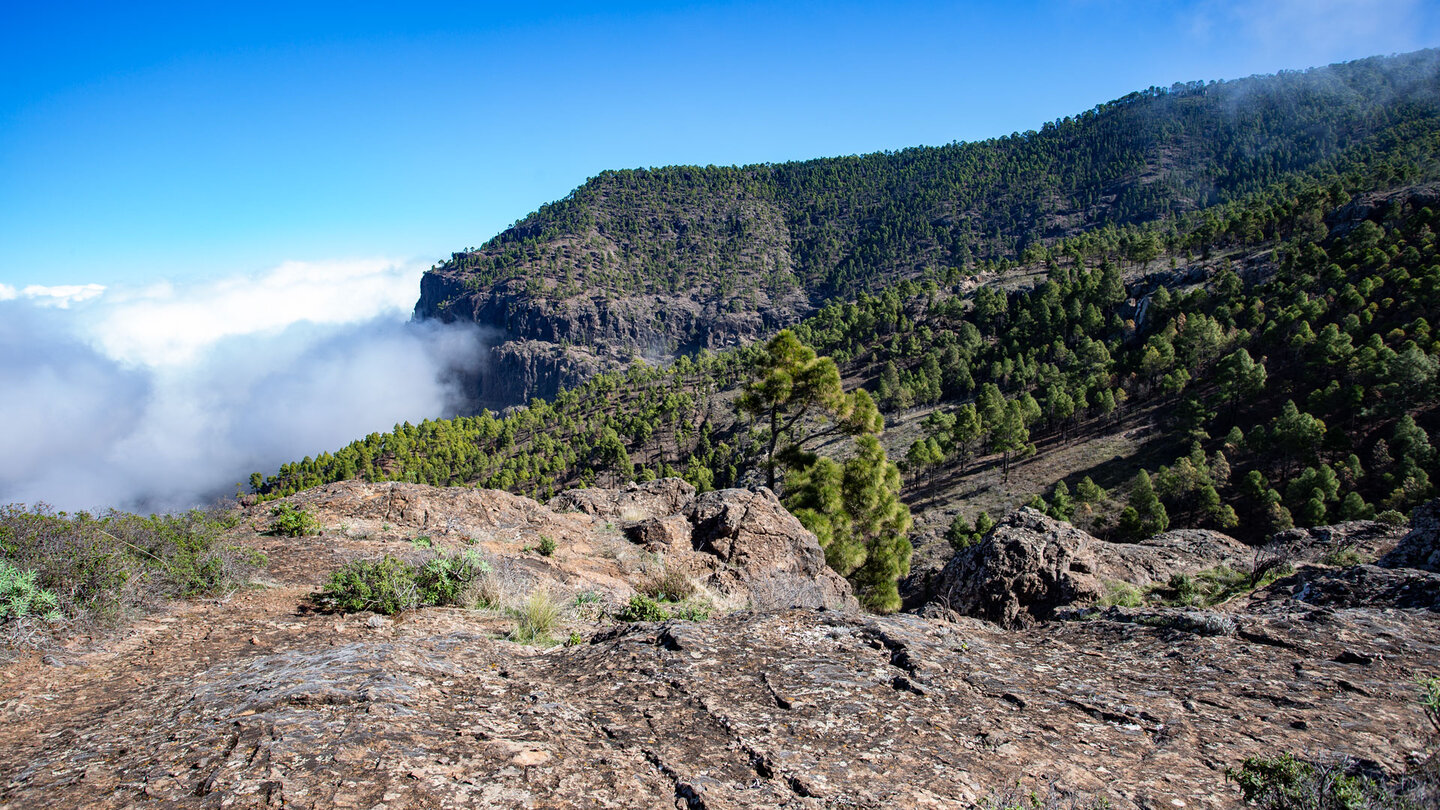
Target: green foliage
(536, 617)
(1145, 515)
(386, 585)
(444, 580)
(99, 567)
(390, 585)
(642, 608)
(1121, 594)
(1342, 557)
(288, 521)
(21, 597)
(1286, 783)
(546, 546)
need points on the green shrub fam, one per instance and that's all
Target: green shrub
(422, 541)
(445, 579)
(288, 521)
(538, 616)
(1122, 594)
(642, 609)
(99, 567)
(1345, 557)
(1287, 783)
(386, 585)
(1392, 517)
(546, 546)
(21, 597)
(691, 611)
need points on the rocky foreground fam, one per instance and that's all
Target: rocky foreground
(790, 698)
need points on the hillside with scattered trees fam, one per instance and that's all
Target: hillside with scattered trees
(1237, 279)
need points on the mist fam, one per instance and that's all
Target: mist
(165, 398)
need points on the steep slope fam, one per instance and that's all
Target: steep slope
(666, 261)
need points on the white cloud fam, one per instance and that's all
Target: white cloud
(1311, 32)
(163, 325)
(61, 296)
(164, 397)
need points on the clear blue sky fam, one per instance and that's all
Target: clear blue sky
(140, 142)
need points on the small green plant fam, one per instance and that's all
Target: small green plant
(587, 598)
(537, 617)
(288, 521)
(386, 585)
(642, 608)
(422, 541)
(1430, 701)
(21, 597)
(1121, 594)
(1344, 557)
(575, 639)
(1392, 517)
(691, 611)
(546, 546)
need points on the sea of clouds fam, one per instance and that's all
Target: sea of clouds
(164, 397)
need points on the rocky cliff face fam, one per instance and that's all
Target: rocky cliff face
(554, 340)
(257, 701)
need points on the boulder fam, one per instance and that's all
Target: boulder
(765, 551)
(1370, 538)
(1156, 559)
(1031, 564)
(1420, 548)
(1028, 566)
(632, 503)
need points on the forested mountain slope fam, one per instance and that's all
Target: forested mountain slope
(664, 261)
(1260, 363)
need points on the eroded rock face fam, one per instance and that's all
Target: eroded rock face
(1028, 566)
(760, 542)
(631, 503)
(1031, 565)
(258, 701)
(1369, 538)
(741, 544)
(1420, 548)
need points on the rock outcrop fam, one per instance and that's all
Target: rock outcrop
(1030, 565)
(257, 700)
(740, 544)
(1420, 547)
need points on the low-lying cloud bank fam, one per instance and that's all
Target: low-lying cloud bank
(166, 397)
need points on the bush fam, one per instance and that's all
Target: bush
(100, 567)
(288, 521)
(1344, 557)
(1287, 783)
(389, 584)
(538, 616)
(1122, 594)
(546, 547)
(386, 585)
(642, 609)
(1392, 517)
(21, 597)
(445, 580)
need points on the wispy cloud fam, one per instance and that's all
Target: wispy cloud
(58, 296)
(1310, 32)
(164, 397)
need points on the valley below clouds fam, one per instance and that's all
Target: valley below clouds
(166, 397)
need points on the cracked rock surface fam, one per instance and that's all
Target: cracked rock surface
(258, 701)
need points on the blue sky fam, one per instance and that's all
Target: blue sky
(145, 142)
